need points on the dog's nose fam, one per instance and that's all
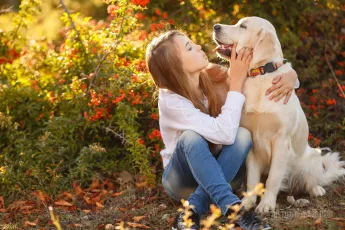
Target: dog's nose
(216, 27)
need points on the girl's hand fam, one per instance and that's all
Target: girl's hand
(283, 85)
(239, 67)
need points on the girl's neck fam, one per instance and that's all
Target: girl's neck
(195, 80)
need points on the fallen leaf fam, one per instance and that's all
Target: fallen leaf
(29, 224)
(86, 211)
(118, 193)
(97, 198)
(75, 225)
(101, 226)
(68, 195)
(140, 185)
(171, 220)
(138, 218)
(87, 200)
(109, 184)
(318, 221)
(63, 203)
(18, 204)
(3, 210)
(99, 205)
(41, 196)
(94, 184)
(77, 189)
(109, 227)
(2, 202)
(135, 225)
(26, 207)
(93, 195)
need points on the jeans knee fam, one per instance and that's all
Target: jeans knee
(189, 139)
(176, 191)
(167, 188)
(244, 140)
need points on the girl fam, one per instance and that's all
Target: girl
(192, 122)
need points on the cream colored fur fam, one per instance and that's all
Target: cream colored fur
(279, 131)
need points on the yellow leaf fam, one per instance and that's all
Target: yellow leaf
(142, 184)
(138, 218)
(99, 205)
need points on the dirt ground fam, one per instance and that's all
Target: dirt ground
(142, 208)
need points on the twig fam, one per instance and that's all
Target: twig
(72, 22)
(121, 136)
(329, 65)
(3, 10)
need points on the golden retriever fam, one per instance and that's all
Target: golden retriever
(279, 131)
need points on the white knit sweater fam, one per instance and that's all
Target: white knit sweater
(177, 114)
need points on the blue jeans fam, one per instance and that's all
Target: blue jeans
(195, 173)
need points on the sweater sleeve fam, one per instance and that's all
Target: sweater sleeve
(181, 114)
(297, 84)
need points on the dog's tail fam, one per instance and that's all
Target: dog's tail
(315, 169)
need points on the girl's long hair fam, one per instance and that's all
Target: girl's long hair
(165, 66)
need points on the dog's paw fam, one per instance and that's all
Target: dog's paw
(267, 203)
(316, 191)
(266, 206)
(249, 202)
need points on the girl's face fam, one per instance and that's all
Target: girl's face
(193, 58)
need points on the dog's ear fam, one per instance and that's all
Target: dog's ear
(266, 48)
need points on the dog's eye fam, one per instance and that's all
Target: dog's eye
(243, 26)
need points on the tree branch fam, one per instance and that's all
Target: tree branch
(113, 47)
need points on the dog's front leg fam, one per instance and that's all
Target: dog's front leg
(281, 150)
(253, 178)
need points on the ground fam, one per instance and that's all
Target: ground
(142, 208)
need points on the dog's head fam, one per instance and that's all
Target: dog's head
(252, 32)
